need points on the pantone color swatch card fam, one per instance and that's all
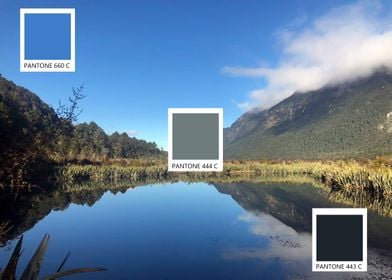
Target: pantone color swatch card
(339, 239)
(196, 140)
(47, 40)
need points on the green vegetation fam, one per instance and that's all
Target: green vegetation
(353, 120)
(348, 183)
(21, 209)
(363, 200)
(374, 177)
(292, 204)
(33, 268)
(4, 229)
(35, 138)
(113, 172)
(366, 184)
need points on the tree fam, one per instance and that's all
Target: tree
(72, 111)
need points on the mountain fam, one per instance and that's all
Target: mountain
(34, 137)
(353, 119)
(292, 205)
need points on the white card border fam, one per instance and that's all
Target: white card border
(71, 61)
(339, 211)
(219, 161)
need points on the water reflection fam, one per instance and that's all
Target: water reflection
(242, 230)
(281, 240)
(292, 205)
(33, 268)
(279, 244)
(280, 214)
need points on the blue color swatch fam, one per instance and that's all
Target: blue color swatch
(47, 36)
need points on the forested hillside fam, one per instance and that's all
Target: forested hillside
(349, 120)
(34, 137)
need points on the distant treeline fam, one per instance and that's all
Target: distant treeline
(34, 137)
(89, 141)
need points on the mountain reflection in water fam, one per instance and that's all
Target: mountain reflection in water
(242, 230)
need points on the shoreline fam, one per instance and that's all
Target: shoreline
(373, 177)
(359, 184)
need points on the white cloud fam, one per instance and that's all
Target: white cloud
(346, 43)
(132, 133)
(263, 224)
(283, 241)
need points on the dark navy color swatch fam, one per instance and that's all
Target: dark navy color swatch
(47, 36)
(339, 238)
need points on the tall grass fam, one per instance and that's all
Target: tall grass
(381, 206)
(33, 268)
(4, 229)
(348, 176)
(109, 172)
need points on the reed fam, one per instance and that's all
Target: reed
(33, 268)
(350, 176)
(4, 229)
(347, 176)
(363, 200)
(113, 172)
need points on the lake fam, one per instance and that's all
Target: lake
(180, 230)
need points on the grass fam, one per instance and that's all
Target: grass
(4, 229)
(363, 184)
(33, 267)
(350, 176)
(373, 177)
(188, 178)
(113, 172)
(363, 200)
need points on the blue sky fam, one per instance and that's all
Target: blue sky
(138, 58)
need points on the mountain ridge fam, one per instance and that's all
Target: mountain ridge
(298, 126)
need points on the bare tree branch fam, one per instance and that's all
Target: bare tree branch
(72, 111)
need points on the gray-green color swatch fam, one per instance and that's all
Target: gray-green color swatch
(195, 136)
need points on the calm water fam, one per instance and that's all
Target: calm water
(186, 231)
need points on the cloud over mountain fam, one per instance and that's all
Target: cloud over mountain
(344, 44)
